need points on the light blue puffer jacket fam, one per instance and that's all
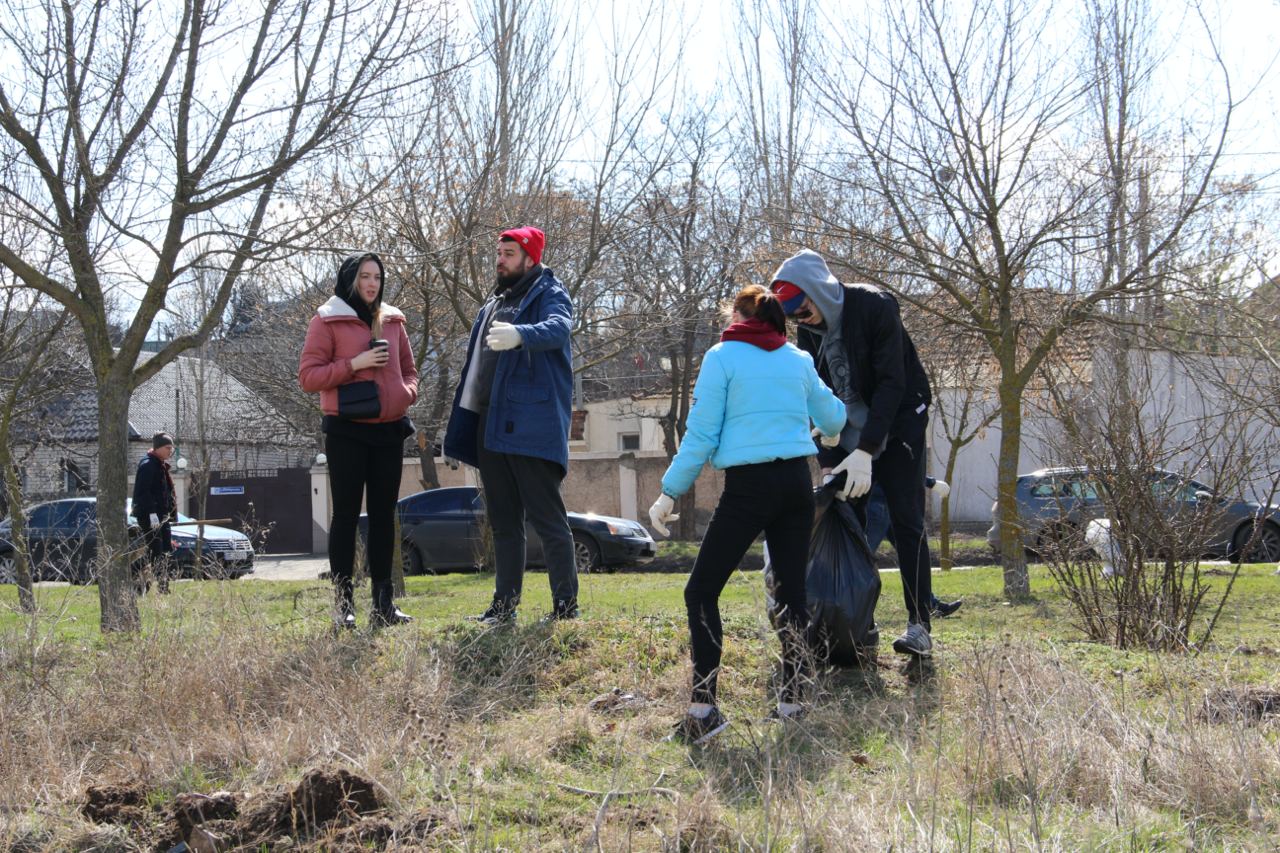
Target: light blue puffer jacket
(752, 405)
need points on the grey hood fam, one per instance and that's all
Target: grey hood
(808, 271)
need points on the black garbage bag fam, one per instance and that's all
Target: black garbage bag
(842, 583)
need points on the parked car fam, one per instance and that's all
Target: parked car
(445, 529)
(1057, 501)
(62, 538)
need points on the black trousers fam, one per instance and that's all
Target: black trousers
(515, 488)
(775, 498)
(370, 471)
(159, 544)
(900, 474)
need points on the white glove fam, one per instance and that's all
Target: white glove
(661, 513)
(503, 336)
(155, 520)
(827, 440)
(857, 469)
(452, 463)
(941, 489)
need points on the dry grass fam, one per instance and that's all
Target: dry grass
(998, 745)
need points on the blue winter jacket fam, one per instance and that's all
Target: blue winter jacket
(531, 400)
(752, 405)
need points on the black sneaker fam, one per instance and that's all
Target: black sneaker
(497, 614)
(776, 716)
(696, 731)
(943, 609)
(563, 610)
(344, 614)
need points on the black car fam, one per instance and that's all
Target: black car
(1053, 502)
(446, 529)
(62, 539)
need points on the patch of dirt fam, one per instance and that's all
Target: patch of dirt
(322, 798)
(123, 804)
(1245, 704)
(330, 804)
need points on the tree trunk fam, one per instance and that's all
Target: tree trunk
(116, 597)
(428, 477)
(397, 558)
(1013, 559)
(945, 563)
(18, 530)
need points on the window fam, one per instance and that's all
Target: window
(40, 516)
(74, 480)
(1173, 489)
(1044, 489)
(628, 441)
(1085, 490)
(65, 514)
(440, 501)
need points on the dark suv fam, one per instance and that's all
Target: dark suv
(1053, 502)
(62, 539)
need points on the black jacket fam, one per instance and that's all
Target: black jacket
(887, 372)
(153, 491)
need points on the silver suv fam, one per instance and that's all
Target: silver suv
(1054, 502)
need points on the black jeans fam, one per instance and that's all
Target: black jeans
(517, 486)
(361, 470)
(900, 474)
(158, 541)
(776, 498)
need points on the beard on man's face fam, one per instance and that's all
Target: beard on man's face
(507, 281)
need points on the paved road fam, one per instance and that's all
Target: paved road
(288, 567)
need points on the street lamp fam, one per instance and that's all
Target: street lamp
(321, 459)
(182, 463)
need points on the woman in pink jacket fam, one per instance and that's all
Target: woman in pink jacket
(358, 357)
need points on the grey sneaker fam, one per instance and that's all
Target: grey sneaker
(915, 641)
(696, 731)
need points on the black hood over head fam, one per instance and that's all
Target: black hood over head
(345, 287)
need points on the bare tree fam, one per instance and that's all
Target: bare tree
(143, 140)
(1168, 457)
(35, 370)
(1012, 179)
(684, 262)
(964, 403)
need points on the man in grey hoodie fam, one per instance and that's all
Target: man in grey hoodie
(854, 333)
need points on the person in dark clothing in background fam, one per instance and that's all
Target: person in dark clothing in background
(366, 385)
(854, 333)
(155, 506)
(510, 419)
(877, 529)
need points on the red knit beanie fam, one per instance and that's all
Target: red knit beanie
(530, 239)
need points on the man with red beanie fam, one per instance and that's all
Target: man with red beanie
(510, 419)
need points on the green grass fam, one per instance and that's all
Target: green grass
(1021, 735)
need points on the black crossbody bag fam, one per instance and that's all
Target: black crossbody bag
(358, 401)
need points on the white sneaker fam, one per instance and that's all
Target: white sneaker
(915, 641)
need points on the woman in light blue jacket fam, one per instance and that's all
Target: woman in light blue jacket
(753, 402)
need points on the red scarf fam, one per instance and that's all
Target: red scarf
(756, 332)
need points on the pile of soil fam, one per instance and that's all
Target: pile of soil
(1241, 704)
(330, 809)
